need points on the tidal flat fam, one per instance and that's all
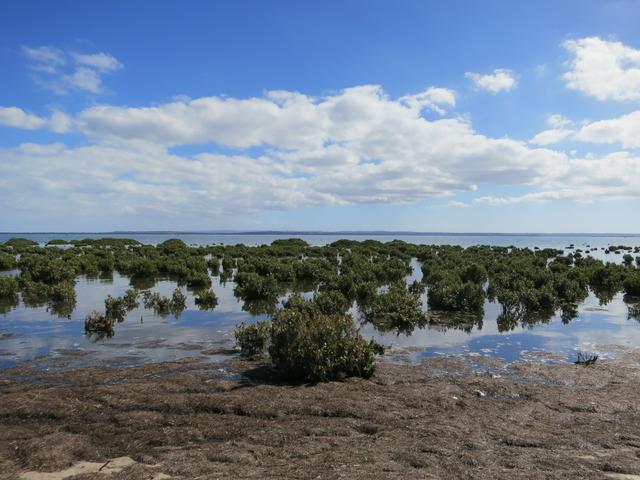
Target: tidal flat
(445, 418)
(356, 358)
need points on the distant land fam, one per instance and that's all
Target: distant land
(329, 232)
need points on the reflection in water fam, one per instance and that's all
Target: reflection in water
(99, 326)
(633, 304)
(43, 322)
(8, 303)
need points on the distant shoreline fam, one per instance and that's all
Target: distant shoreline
(332, 233)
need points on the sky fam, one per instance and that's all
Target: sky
(476, 116)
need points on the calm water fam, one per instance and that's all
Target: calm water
(28, 334)
(465, 240)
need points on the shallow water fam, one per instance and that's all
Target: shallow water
(34, 334)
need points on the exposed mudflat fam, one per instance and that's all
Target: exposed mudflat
(446, 418)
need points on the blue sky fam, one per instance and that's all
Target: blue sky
(404, 115)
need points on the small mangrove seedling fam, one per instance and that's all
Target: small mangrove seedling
(207, 300)
(253, 339)
(99, 326)
(131, 299)
(115, 308)
(178, 302)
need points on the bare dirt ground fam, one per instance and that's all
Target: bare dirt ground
(442, 419)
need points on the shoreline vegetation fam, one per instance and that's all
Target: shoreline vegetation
(316, 297)
(308, 393)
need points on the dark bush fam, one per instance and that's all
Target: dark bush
(7, 262)
(632, 283)
(451, 294)
(57, 241)
(8, 287)
(115, 308)
(34, 294)
(99, 326)
(198, 280)
(156, 302)
(207, 300)
(178, 302)
(62, 299)
(19, 243)
(251, 286)
(396, 309)
(253, 339)
(131, 299)
(308, 345)
(331, 301)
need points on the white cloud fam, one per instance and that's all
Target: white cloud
(63, 72)
(458, 204)
(60, 122)
(292, 150)
(611, 177)
(100, 61)
(84, 79)
(45, 59)
(17, 118)
(551, 136)
(560, 129)
(624, 130)
(501, 80)
(558, 121)
(605, 70)
(436, 99)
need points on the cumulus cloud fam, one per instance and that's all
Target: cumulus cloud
(501, 80)
(436, 99)
(17, 118)
(611, 177)
(59, 122)
(560, 128)
(64, 71)
(624, 130)
(605, 70)
(286, 150)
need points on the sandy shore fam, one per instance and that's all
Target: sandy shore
(443, 419)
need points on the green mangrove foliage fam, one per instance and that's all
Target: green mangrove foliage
(20, 243)
(309, 345)
(530, 285)
(102, 325)
(62, 299)
(207, 300)
(7, 261)
(164, 306)
(399, 308)
(9, 287)
(98, 326)
(253, 339)
(115, 308)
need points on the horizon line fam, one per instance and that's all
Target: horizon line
(320, 232)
